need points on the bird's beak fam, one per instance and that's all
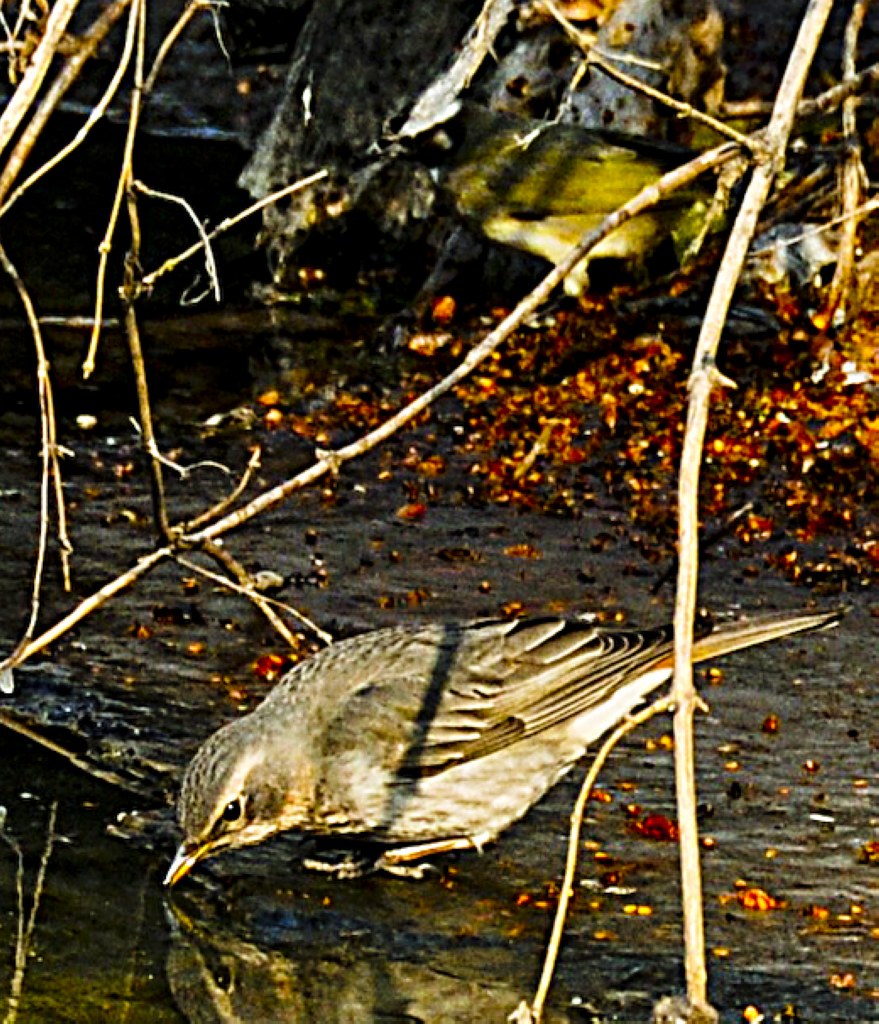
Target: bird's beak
(185, 859)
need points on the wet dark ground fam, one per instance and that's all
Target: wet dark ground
(254, 937)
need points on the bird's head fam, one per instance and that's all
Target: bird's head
(236, 792)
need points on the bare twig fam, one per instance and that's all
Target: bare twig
(245, 587)
(703, 378)
(87, 45)
(171, 37)
(607, 64)
(145, 424)
(85, 608)
(226, 503)
(29, 86)
(828, 100)
(126, 176)
(567, 890)
(210, 262)
(131, 290)
(50, 477)
(149, 280)
(853, 174)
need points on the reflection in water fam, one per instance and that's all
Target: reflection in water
(215, 975)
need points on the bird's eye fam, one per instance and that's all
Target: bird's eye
(232, 811)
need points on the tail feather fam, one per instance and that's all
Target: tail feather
(733, 636)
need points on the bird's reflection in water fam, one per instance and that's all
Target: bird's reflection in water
(216, 974)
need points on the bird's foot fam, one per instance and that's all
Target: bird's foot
(345, 864)
(341, 864)
(414, 872)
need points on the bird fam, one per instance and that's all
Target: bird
(540, 186)
(421, 739)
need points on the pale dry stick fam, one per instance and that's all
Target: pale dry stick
(85, 608)
(149, 280)
(704, 376)
(49, 451)
(567, 891)
(129, 293)
(171, 37)
(12, 32)
(605, 62)
(87, 46)
(221, 506)
(210, 262)
(853, 174)
(184, 472)
(145, 422)
(827, 100)
(262, 602)
(330, 461)
(29, 86)
(231, 564)
(864, 210)
(23, 946)
(138, 16)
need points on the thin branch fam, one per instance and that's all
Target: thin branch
(567, 891)
(222, 506)
(606, 63)
(86, 48)
(138, 19)
(210, 262)
(29, 86)
(49, 451)
(148, 280)
(853, 174)
(820, 104)
(703, 378)
(177, 29)
(245, 587)
(85, 608)
(145, 424)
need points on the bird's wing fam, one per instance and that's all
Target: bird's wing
(456, 693)
(450, 694)
(513, 680)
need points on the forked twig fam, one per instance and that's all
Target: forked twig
(123, 183)
(50, 476)
(703, 378)
(853, 174)
(535, 1011)
(265, 604)
(149, 280)
(605, 63)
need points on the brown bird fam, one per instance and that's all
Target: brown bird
(424, 739)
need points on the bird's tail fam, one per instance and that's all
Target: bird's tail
(733, 636)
